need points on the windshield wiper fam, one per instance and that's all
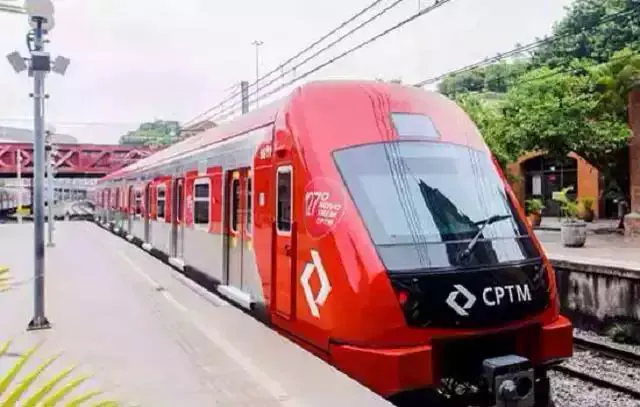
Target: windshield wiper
(485, 223)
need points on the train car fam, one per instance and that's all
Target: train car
(9, 200)
(369, 223)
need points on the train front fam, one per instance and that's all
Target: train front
(445, 284)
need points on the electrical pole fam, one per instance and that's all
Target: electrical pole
(41, 20)
(257, 44)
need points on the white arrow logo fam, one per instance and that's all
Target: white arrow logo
(451, 300)
(325, 286)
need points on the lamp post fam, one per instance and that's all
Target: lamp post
(41, 19)
(257, 44)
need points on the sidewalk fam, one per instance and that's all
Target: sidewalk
(597, 226)
(610, 250)
(151, 336)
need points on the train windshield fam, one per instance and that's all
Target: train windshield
(433, 205)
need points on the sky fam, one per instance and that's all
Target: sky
(140, 60)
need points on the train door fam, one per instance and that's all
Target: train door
(130, 209)
(235, 215)
(147, 213)
(284, 253)
(177, 223)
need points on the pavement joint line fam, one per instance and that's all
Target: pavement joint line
(272, 386)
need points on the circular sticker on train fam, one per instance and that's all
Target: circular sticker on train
(323, 206)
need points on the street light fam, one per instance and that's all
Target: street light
(41, 20)
(257, 44)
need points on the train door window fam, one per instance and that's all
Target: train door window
(284, 197)
(147, 201)
(235, 204)
(201, 203)
(138, 203)
(161, 201)
(248, 218)
(180, 201)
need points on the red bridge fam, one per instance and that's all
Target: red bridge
(73, 160)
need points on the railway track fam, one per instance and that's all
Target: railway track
(615, 353)
(597, 377)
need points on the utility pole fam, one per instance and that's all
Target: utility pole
(41, 20)
(257, 44)
(19, 171)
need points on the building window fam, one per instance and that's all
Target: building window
(284, 198)
(201, 202)
(161, 201)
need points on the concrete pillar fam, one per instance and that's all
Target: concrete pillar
(632, 220)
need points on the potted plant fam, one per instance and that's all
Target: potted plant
(534, 211)
(573, 231)
(585, 209)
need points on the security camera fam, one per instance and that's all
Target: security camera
(17, 62)
(60, 65)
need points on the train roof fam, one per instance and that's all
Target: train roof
(259, 117)
(267, 114)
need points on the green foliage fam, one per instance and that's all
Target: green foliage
(586, 37)
(568, 206)
(5, 279)
(498, 78)
(534, 205)
(587, 203)
(558, 112)
(25, 392)
(158, 132)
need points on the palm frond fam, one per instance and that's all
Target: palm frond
(53, 392)
(5, 279)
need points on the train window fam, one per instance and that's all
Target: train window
(423, 202)
(235, 204)
(180, 200)
(414, 125)
(201, 202)
(284, 198)
(248, 225)
(138, 203)
(161, 201)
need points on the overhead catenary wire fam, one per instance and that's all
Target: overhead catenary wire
(528, 47)
(297, 55)
(435, 5)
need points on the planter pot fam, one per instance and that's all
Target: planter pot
(535, 219)
(573, 233)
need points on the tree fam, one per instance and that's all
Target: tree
(559, 112)
(585, 35)
(158, 132)
(496, 77)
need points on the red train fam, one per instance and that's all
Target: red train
(368, 222)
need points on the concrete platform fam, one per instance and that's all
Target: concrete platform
(607, 251)
(152, 337)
